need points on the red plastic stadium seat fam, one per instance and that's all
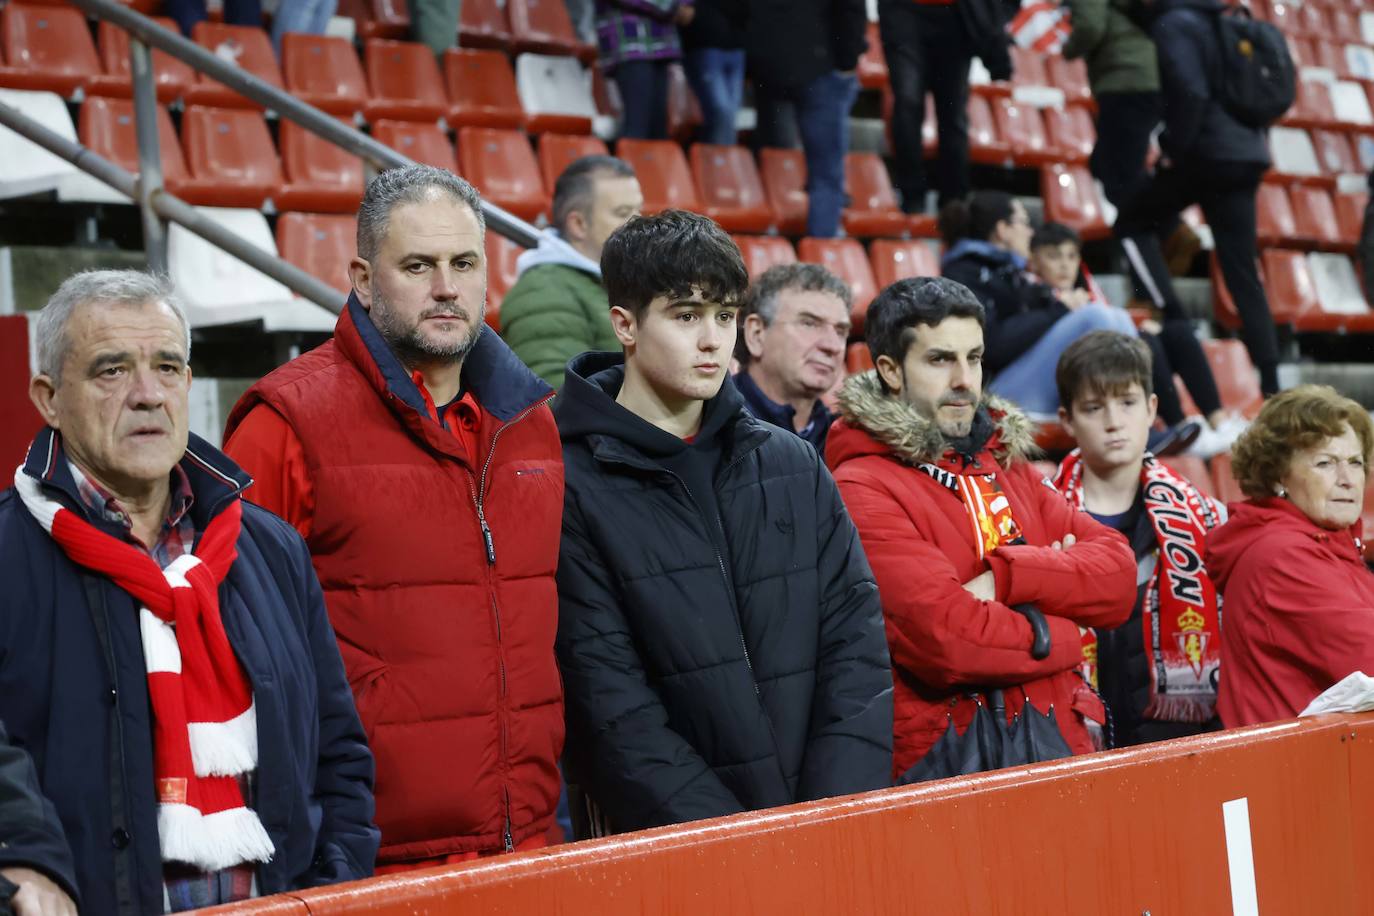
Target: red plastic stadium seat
(425, 143)
(403, 81)
(731, 193)
(558, 151)
(1331, 55)
(1312, 19)
(985, 146)
(1071, 133)
(46, 49)
(543, 27)
(663, 174)
(761, 252)
(783, 172)
(481, 87)
(1345, 23)
(1334, 152)
(1023, 130)
(1028, 68)
(1071, 198)
(872, 69)
(323, 71)
(857, 358)
(1274, 220)
(845, 258)
(230, 156)
(1224, 307)
(1224, 480)
(1315, 216)
(1237, 380)
(483, 24)
(106, 127)
(249, 47)
(872, 209)
(319, 244)
(171, 77)
(377, 18)
(501, 165)
(1312, 107)
(895, 260)
(684, 112)
(320, 177)
(1350, 217)
(501, 274)
(1071, 77)
(1301, 50)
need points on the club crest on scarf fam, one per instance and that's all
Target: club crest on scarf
(989, 510)
(1181, 611)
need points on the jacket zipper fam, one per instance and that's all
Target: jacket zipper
(479, 495)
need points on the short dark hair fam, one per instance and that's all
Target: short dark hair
(1055, 234)
(890, 324)
(1103, 363)
(1293, 420)
(572, 192)
(669, 254)
(974, 217)
(762, 298)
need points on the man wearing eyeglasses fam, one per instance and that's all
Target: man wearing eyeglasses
(791, 347)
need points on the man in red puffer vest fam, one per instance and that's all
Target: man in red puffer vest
(418, 457)
(972, 548)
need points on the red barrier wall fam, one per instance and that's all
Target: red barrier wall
(19, 422)
(1129, 832)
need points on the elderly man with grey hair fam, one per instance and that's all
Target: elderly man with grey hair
(418, 457)
(791, 347)
(166, 661)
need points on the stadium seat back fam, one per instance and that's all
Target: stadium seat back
(1350, 209)
(501, 274)
(46, 48)
(1071, 198)
(845, 258)
(556, 94)
(542, 27)
(403, 81)
(171, 77)
(1227, 490)
(323, 70)
(246, 46)
(985, 144)
(872, 209)
(731, 192)
(1022, 128)
(1293, 152)
(501, 165)
(1335, 155)
(320, 177)
(1274, 220)
(857, 358)
(783, 173)
(1070, 132)
(1288, 283)
(1315, 216)
(424, 143)
(1237, 380)
(481, 89)
(761, 252)
(387, 19)
(106, 126)
(664, 175)
(483, 24)
(230, 155)
(319, 244)
(558, 151)
(895, 260)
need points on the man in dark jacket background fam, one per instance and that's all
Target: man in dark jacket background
(1210, 158)
(720, 635)
(34, 855)
(116, 480)
(804, 52)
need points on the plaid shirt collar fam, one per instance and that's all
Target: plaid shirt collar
(178, 532)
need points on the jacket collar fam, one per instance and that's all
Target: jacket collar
(982, 251)
(503, 386)
(913, 439)
(765, 408)
(215, 480)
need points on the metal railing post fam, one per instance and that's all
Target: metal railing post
(149, 155)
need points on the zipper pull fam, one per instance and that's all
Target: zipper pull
(510, 843)
(491, 545)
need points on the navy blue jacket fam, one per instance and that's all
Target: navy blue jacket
(74, 695)
(1196, 124)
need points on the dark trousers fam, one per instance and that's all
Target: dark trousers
(236, 12)
(1125, 121)
(1226, 191)
(644, 93)
(927, 51)
(1175, 349)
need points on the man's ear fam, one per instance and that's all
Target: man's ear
(1154, 408)
(624, 324)
(890, 372)
(43, 393)
(575, 226)
(360, 274)
(753, 335)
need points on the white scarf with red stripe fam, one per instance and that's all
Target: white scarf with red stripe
(204, 726)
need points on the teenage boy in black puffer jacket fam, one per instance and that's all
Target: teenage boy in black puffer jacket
(720, 634)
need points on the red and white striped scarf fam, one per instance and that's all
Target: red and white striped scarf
(205, 728)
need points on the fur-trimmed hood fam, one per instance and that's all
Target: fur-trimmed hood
(915, 439)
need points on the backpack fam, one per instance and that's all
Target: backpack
(1258, 81)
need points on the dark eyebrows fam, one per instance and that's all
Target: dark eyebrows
(105, 360)
(171, 356)
(470, 254)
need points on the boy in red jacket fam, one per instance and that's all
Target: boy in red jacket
(959, 528)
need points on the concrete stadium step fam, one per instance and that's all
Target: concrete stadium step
(1354, 380)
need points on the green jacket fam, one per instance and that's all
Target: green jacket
(554, 312)
(1120, 56)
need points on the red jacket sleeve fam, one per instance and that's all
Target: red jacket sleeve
(936, 630)
(1092, 583)
(266, 446)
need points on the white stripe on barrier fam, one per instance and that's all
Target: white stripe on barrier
(1240, 858)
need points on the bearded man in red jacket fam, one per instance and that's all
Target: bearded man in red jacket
(961, 530)
(418, 457)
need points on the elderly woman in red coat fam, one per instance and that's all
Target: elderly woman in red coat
(1299, 600)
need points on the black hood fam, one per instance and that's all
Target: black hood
(586, 407)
